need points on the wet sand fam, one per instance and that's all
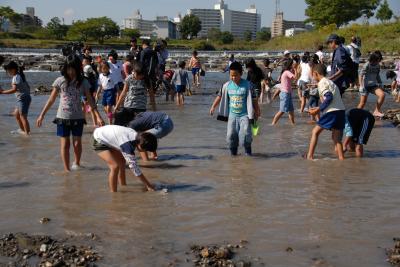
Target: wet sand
(343, 213)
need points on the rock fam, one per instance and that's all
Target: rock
(44, 220)
(205, 253)
(43, 248)
(289, 249)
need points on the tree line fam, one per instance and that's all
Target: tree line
(319, 12)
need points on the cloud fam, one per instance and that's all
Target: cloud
(69, 12)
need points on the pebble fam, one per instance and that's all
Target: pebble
(44, 220)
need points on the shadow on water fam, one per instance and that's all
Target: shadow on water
(276, 155)
(391, 154)
(184, 157)
(182, 187)
(165, 166)
(7, 185)
(192, 147)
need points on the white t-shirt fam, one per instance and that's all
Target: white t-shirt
(106, 82)
(324, 86)
(320, 54)
(122, 139)
(116, 71)
(305, 72)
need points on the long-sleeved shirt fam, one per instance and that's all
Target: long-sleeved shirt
(122, 139)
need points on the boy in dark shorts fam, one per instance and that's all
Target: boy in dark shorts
(333, 118)
(116, 146)
(359, 125)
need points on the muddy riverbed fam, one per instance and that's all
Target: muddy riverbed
(291, 212)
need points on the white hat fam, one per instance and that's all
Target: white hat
(287, 52)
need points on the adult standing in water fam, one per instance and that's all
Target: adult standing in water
(149, 60)
(163, 55)
(195, 65)
(355, 54)
(340, 62)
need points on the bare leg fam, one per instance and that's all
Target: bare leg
(363, 101)
(109, 157)
(359, 151)
(303, 104)
(291, 117)
(277, 116)
(336, 137)
(77, 144)
(18, 119)
(380, 94)
(314, 141)
(152, 98)
(121, 166)
(25, 124)
(64, 149)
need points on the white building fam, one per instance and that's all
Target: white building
(146, 27)
(162, 27)
(224, 19)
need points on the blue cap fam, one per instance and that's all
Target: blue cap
(333, 37)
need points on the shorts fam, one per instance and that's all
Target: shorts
(361, 127)
(67, 127)
(333, 120)
(97, 146)
(109, 97)
(286, 103)
(180, 88)
(23, 104)
(125, 115)
(305, 92)
(163, 129)
(119, 86)
(313, 102)
(368, 90)
(195, 71)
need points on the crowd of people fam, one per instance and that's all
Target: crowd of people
(125, 87)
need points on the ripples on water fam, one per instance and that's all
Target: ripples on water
(342, 212)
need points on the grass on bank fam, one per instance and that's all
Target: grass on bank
(384, 37)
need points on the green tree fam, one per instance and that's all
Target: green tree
(384, 13)
(98, 29)
(56, 29)
(129, 33)
(264, 34)
(7, 13)
(190, 26)
(227, 37)
(214, 34)
(248, 36)
(339, 12)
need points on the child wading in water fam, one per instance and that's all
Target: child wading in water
(133, 98)
(107, 84)
(238, 105)
(70, 117)
(334, 116)
(116, 146)
(22, 91)
(286, 102)
(370, 82)
(181, 81)
(195, 66)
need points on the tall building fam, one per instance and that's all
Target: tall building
(224, 19)
(146, 27)
(164, 28)
(161, 27)
(279, 25)
(27, 20)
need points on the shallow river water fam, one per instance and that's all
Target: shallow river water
(345, 213)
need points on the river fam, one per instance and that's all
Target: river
(331, 213)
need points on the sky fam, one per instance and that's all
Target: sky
(120, 9)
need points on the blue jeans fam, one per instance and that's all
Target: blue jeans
(163, 129)
(239, 131)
